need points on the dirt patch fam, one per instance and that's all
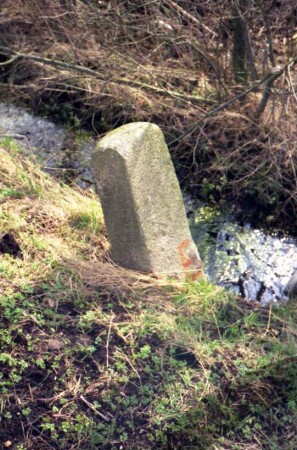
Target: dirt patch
(9, 246)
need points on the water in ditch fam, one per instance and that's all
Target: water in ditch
(61, 152)
(255, 264)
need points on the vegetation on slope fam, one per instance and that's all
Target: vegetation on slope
(97, 357)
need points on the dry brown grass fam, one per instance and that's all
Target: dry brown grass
(49, 221)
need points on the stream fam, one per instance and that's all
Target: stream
(254, 264)
(61, 152)
(251, 262)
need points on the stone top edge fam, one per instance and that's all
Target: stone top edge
(125, 132)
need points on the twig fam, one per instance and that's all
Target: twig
(107, 342)
(13, 136)
(189, 16)
(9, 61)
(291, 84)
(274, 74)
(18, 136)
(269, 320)
(271, 76)
(208, 59)
(107, 419)
(132, 367)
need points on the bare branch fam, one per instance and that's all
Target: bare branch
(191, 99)
(189, 16)
(274, 74)
(9, 61)
(269, 79)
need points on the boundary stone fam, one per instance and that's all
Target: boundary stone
(142, 203)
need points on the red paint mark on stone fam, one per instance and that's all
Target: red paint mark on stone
(188, 261)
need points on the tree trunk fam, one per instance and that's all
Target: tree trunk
(242, 54)
(68, 4)
(239, 49)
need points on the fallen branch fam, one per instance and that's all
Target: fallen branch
(191, 99)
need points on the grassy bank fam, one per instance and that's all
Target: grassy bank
(95, 357)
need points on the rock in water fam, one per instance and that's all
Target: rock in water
(142, 203)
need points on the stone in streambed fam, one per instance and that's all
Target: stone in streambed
(142, 203)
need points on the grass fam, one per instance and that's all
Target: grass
(97, 357)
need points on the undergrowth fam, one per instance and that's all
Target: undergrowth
(169, 63)
(97, 357)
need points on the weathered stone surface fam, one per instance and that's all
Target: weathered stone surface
(142, 203)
